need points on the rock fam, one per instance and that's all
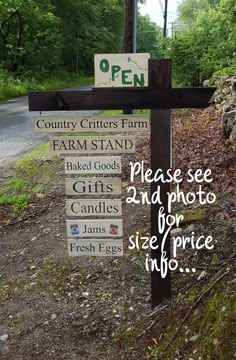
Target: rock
(53, 317)
(191, 227)
(202, 275)
(229, 122)
(175, 231)
(194, 338)
(4, 337)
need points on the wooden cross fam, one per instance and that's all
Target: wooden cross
(160, 98)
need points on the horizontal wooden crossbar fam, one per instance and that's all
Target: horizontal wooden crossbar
(120, 98)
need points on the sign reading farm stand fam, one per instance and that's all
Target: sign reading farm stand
(92, 144)
(121, 70)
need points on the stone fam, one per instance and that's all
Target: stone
(229, 122)
(175, 231)
(202, 275)
(53, 317)
(191, 227)
(194, 338)
(4, 337)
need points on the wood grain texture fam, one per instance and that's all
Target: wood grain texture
(150, 98)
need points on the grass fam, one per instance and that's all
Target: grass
(120, 112)
(15, 87)
(34, 174)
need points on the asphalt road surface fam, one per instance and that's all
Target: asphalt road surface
(16, 128)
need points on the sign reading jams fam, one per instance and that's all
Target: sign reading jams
(98, 228)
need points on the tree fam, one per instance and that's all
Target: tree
(28, 30)
(205, 40)
(149, 37)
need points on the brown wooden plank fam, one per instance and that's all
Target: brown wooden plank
(160, 76)
(119, 99)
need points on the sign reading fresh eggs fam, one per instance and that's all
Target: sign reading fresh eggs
(121, 70)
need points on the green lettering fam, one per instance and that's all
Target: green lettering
(115, 69)
(125, 76)
(139, 81)
(104, 65)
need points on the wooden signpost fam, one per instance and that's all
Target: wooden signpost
(156, 95)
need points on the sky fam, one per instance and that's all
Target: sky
(153, 8)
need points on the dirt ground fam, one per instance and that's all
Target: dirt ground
(55, 307)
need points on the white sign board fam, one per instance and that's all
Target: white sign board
(121, 70)
(93, 207)
(92, 144)
(94, 228)
(93, 186)
(95, 247)
(104, 124)
(93, 165)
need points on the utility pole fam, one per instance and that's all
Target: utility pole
(130, 35)
(165, 27)
(165, 19)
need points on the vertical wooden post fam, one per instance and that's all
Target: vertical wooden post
(160, 77)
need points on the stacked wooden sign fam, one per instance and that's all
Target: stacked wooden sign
(94, 205)
(93, 197)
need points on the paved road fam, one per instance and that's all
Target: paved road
(16, 128)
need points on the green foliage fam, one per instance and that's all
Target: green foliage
(205, 40)
(44, 37)
(149, 37)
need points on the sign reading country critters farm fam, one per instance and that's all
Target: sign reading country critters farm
(116, 123)
(121, 70)
(92, 144)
